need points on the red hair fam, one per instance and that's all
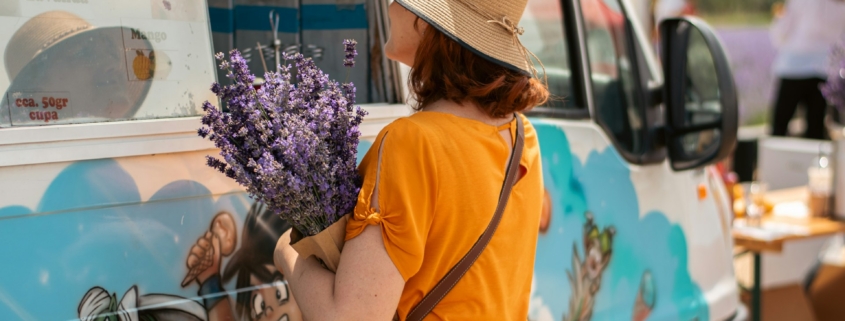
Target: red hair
(443, 69)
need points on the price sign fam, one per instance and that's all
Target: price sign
(35, 108)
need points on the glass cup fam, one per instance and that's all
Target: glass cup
(820, 188)
(755, 202)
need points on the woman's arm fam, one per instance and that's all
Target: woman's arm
(367, 285)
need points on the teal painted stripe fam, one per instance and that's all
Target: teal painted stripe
(314, 17)
(222, 19)
(333, 17)
(257, 18)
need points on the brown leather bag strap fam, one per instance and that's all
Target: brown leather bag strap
(457, 272)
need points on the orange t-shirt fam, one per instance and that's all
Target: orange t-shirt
(439, 182)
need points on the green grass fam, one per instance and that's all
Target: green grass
(758, 118)
(738, 18)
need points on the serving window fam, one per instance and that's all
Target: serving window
(86, 61)
(83, 61)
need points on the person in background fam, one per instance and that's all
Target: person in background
(803, 32)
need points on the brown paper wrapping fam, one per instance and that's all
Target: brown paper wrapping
(326, 245)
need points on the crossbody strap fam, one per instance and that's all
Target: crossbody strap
(457, 272)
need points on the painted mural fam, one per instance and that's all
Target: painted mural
(586, 274)
(263, 293)
(597, 257)
(100, 252)
(139, 260)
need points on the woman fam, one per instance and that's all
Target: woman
(432, 182)
(804, 33)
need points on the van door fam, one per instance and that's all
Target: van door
(617, 239)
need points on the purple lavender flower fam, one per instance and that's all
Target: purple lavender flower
(351, 53)
(292, 146)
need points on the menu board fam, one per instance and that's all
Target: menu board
(81, 61)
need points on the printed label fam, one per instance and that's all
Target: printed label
(156, 34)
(39, 107)
(152, 36)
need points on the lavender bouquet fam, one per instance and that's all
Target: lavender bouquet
(291, 144)
(834, 89)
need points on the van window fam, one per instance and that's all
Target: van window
(614, 74)
(544, 36)
(90, 61)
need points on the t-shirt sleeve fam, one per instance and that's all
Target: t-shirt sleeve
(402, 165)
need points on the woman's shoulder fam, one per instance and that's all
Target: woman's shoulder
(413, 128)
(431, 128)
(407, 135)
(531, 151)
(529, 128)
(530, 132)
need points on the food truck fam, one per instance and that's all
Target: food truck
(108, 211)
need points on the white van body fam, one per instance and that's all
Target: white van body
(98, 219)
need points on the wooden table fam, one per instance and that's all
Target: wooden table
(809, 227)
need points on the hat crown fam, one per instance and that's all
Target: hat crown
(489, 28)
(498, 9)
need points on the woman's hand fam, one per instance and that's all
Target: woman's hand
(367, 285)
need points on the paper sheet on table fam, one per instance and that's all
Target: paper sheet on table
(770, 230)
(797, 209)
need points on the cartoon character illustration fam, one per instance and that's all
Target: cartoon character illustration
(262, 292)
(646, 298)
(586, 274)
(221, 238)
(99, 305)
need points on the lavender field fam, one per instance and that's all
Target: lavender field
(751, 54)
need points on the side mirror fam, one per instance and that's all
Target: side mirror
(700, 94)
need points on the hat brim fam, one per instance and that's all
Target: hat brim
(471, 30)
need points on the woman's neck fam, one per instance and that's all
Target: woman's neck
(466, 110)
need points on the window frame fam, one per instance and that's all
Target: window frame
(647, 94)
(20, 146)
(575, 45)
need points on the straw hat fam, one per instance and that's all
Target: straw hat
(489, 28)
